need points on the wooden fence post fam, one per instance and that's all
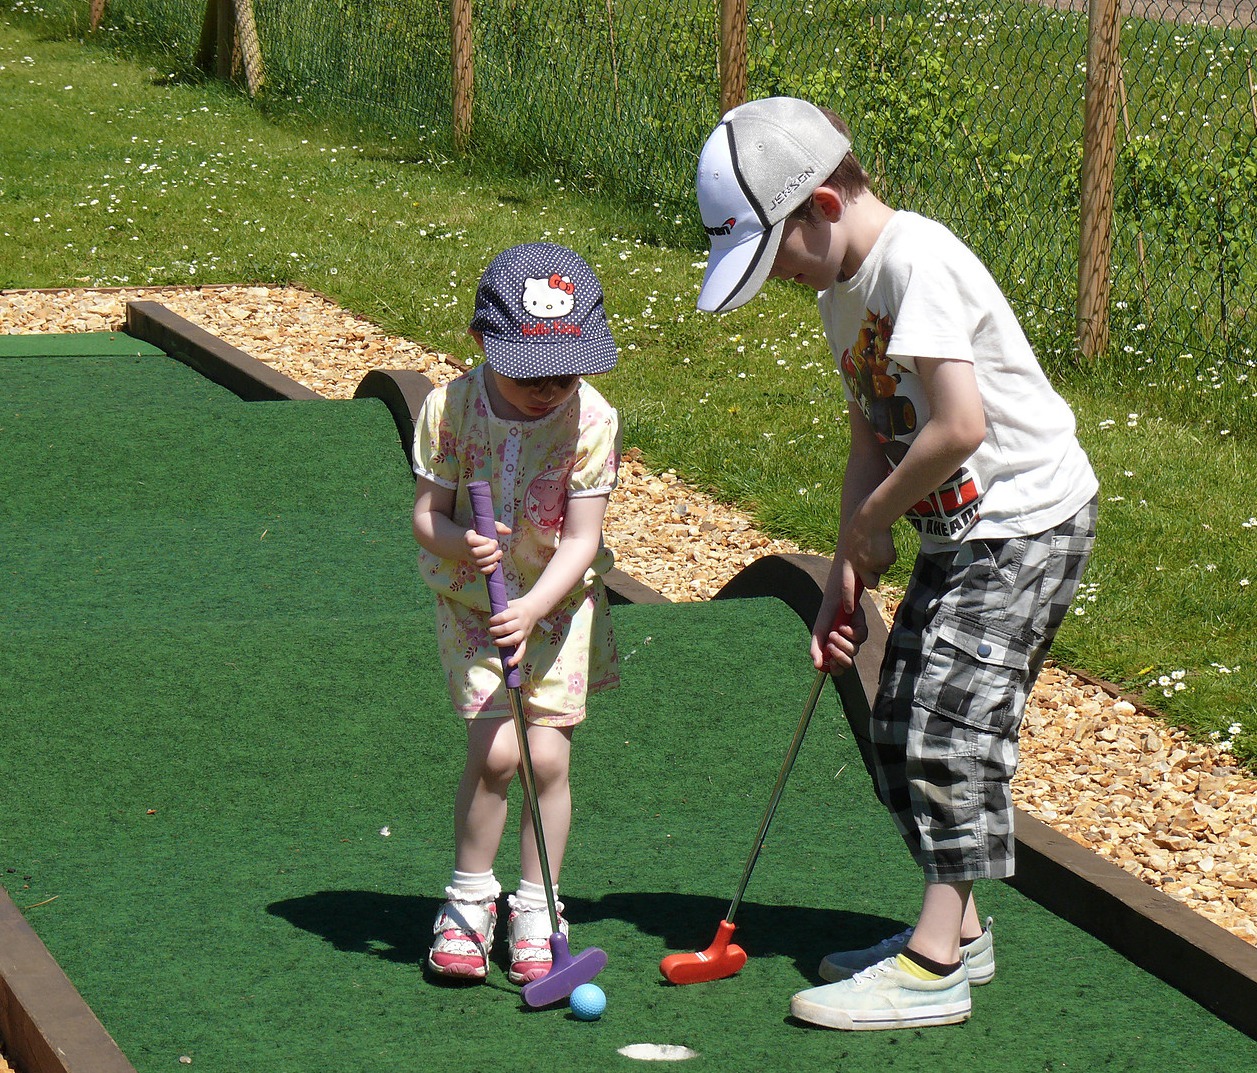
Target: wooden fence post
(98, 13)
(229, 38)
(462, 66)
(225, 40)
(1095, 231)
(732, 54)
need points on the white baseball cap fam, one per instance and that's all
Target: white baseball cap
(761, 163)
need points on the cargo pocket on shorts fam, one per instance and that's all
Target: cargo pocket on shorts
(975, 677)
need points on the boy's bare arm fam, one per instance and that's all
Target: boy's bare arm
(955, 429)
(865, 470)
(874, 496)
(868, 552)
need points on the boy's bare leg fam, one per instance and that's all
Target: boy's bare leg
(971, 924)
(947, 912)
(551, 752)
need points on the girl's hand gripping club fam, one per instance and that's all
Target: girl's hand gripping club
(567, 972)
(724, 957)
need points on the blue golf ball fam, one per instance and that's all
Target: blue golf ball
(588, 1002)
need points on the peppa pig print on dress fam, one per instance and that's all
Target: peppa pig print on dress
(545, 501)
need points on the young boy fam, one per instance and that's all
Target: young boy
(955, 427)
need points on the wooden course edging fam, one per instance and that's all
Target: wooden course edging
(44, 1022)
(214, 359)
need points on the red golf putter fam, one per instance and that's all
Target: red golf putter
(567, 971)
(725, 957)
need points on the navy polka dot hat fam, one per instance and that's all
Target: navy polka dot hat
(539, 311)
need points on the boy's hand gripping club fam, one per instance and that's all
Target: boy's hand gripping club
(567, 971)
(723, 957)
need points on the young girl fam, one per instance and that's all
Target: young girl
(528, 423)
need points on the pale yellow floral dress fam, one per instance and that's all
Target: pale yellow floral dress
(533, 467)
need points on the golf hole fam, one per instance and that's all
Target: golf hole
(657, 1052)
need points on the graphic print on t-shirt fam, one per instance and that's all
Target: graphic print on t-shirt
(893, 401)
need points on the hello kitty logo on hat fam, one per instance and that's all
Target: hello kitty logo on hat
(553, 297)
(539, 311)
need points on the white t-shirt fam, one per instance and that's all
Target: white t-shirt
(921, 293)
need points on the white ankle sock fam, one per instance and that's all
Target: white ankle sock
(473, 886)
(531, 895)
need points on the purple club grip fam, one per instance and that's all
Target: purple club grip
(482, 511)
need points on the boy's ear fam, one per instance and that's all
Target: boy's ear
(829, 201)
(478, 336)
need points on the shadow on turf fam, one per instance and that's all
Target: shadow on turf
(394, 927)
(398, 927)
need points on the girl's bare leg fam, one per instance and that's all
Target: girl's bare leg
(480, 806)
(551, 751)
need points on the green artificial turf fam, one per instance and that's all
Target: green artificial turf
(230, 763)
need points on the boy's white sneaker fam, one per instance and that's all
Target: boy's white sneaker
(462, 939)
(844, 964)
(530, 942)
(978, 957)
(886, 996)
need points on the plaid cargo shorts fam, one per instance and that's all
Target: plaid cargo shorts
(965, 649)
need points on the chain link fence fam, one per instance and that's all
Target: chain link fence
(973, 115)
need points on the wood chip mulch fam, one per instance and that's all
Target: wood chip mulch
(1180, 815)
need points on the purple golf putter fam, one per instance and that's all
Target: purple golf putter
(567, 971)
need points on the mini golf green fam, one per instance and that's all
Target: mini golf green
(229, 765)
